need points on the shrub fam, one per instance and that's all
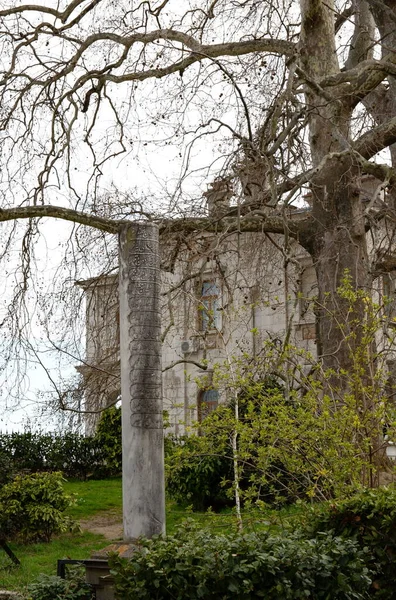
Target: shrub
(197, 475)
(6, 468)
(32, 507)
(202, 565)
(199, 469)
(108, 437)
(369, 517)
(26, 450)
(72, 453)
(75, 455)
(51, 587)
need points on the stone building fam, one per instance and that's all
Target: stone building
(100, 370)
(222, 294)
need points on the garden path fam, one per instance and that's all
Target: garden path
(107, 524)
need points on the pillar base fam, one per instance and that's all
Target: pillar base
(97, 570)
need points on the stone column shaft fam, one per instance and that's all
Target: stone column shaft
(141, 382)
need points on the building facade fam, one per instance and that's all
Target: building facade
(223, 295)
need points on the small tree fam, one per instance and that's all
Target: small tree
(303, 440)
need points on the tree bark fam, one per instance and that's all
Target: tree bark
(339, 248)
(338, 237)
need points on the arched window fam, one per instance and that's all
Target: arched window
(208, 401)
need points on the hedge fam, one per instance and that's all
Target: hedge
(200, 565)
(369, 518)
(73, 454)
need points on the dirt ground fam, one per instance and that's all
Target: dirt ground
(109, 525)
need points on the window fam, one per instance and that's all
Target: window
(209, 315)
(308, 332)
(208, 401)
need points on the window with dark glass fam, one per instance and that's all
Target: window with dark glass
(208, 401)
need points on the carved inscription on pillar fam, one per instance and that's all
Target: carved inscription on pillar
(143, 273)
(141, 382)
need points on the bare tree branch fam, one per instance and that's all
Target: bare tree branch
(202, 366)
(58, 212)
(380, 137)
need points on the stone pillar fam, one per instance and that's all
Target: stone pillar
(141, 382)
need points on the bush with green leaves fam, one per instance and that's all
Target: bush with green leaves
(287, 435)
(199, 469)
(198, 474)
(32, 507)
(6, 468)
(369, 517)
(27, 450)
(200, 565)
(51, 587)
(74, 454)
(109, 439)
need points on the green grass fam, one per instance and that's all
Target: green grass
(42, 558)
(226, 521)
(93, 497)
(99, 497)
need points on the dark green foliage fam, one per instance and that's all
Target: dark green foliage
(198, 476)
(27, 450)
(200, 565)
(76, 455)
(108, 438)
(199, 468)
(6, 468)
(73, 454)
(370, 518)
(51, 587)
(32, 507)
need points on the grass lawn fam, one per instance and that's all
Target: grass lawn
(42, 558)
(103, 498)
(94, 496)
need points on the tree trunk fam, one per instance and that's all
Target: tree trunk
(338, 240)
(339, 250)
(141, 382)
(346, 340)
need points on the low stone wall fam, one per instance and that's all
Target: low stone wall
(6, 595)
